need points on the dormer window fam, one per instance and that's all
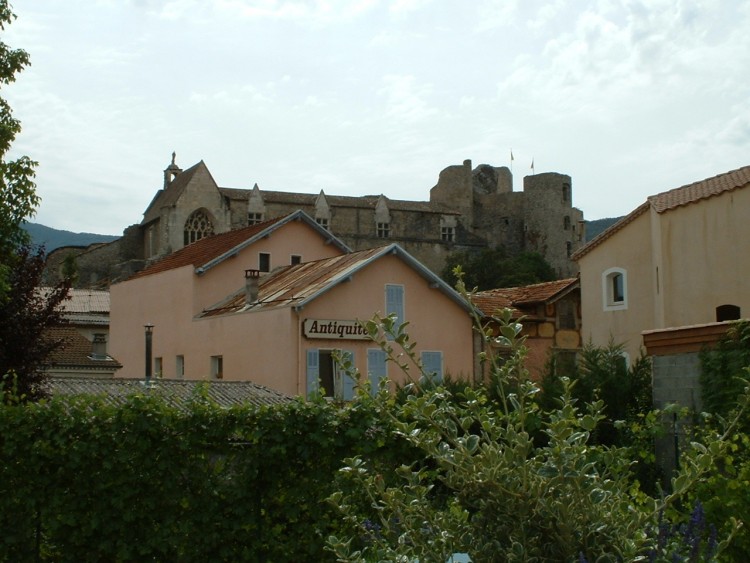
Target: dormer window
(254, 218)
(383, 230)
(448, 234)
(322, 221)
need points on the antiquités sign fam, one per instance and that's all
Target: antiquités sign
(324, 328)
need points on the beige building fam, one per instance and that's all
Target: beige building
(272, 303)
(679, 259)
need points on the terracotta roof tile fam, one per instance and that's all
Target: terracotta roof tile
(517, 298)
(665, 201)
(175, 392)
(76, 351)
(87, 301)
(205, 250)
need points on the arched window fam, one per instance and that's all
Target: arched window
(727, 313)
(615, 289)
(566, 192)
(198, 226)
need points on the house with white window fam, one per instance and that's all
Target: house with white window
(679, 259)
(276, 303)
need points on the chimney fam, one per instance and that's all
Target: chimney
(99, 347)
(252, 277)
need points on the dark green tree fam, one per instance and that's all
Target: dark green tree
(18, 197)
(492, 268)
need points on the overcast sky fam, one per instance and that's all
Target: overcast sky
(354, 97)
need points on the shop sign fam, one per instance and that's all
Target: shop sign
(336, 329)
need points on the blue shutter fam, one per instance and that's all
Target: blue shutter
(394, 302)
(313, 371)
(348, 381)
(432, 362)
(376, 370)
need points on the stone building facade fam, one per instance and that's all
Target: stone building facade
(469, 209)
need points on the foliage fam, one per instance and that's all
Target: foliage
(84, 480)
(27, 315)
(481, 484)
(18, 199)
(494, 268)
(723, 375)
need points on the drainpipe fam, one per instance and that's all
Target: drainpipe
(149, 338)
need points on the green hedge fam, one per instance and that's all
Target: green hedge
(81, 480)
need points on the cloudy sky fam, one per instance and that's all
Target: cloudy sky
(356, 97)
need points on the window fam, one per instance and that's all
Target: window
(322, 371)
(448, 234)
(158, 369)
(566, 192)
(180, 367)
(217, 367)
(383, 230)
(254, 218)
(614, 287)
(264, 262)
(432, 362)
(296, 259)
(197, 226)
(566, 314)
(394, 302)
(569, 248)
(727, 313)
(376, 368)
(322, 221)
(566, 222)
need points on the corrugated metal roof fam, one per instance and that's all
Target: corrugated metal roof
(516, 298)
(175, 392)
(296, 285)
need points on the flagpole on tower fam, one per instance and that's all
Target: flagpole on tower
(511, 160)
(532, 166)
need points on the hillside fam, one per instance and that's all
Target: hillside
(597, 226)
(55, 238)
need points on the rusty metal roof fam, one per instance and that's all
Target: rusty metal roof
(295, 286)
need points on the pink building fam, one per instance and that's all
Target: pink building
(270, 303)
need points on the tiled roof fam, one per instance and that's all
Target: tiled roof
(177, 393)
(169, 195)
(297, 285)
(75, 352)
(362, 202)
(87, 301)
(517, 298)
(701, 190)
(665, 201)
(209, 251)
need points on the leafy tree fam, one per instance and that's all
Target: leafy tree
(723, 370)
(18, 198)
(25, 319)
(494, 268)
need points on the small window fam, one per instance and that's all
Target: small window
(296, 259)
(615, 287)
(158, 368)
(254, 218)
(383, 230)
(569, 248)
(448, 234)
(217, 367)
(180, 367)
(566, 314)
(322, 221)
(566, 222)
(727, 313)
(566, 192)
(264, 262)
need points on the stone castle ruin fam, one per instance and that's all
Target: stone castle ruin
(469, 209)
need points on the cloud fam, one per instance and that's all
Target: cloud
(406, 99)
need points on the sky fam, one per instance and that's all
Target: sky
(356, 97)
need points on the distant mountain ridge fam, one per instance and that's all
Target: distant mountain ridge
(55, 238)
(598, 226)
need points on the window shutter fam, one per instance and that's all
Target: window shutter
(313, 371)
(394, 303)
(432, 362)
(347, 380)
(376, 369)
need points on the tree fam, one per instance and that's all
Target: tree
(18, 198)
(494, 268)
(27, 315)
